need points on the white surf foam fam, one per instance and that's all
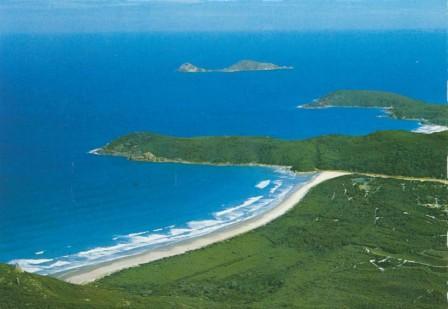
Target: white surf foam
(59, 264)
(30, 265)
(263, 184)
(232, 213)
(136, 234)
(95, 151)
(175, 232)
(133, 243)
(277, 184)
(198, 225)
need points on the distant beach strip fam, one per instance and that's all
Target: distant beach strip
(430, 128)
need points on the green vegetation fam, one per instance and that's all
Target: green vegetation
(398, 106)
(23, 290)
(329, 252)
(389, 152)
(353, 242)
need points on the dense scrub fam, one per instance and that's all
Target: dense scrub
(353, 242)
(389, 152)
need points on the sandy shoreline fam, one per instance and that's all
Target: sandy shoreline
(430, 128)
(91, 273)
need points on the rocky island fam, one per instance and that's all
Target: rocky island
(241, 66)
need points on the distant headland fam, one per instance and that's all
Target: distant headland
(241, 66)
(433, 116)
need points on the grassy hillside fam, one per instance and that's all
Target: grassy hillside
(390, 152)
(24, 290)
(400, 107)
(329, 252)
(353, 242)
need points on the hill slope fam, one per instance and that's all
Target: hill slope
(353, 242)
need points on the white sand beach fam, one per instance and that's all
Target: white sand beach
(92, 273)
(430, 128)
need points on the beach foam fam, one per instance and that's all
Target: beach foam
(277, 184)
(197, 225)
(263, 184)
(232, 213)
(30, 265)
(95, 151)
(289, 200)
(59, 264)
(138, 242)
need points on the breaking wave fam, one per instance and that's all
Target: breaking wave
(271, 194)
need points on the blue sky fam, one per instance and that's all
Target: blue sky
(218, 15)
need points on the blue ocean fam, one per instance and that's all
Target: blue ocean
(63, 95)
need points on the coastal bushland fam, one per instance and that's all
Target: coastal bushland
(354, 241)
(396, 153)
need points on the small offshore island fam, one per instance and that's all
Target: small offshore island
(241, 66)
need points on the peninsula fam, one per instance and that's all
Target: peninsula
(241, 66)
(397, 106)
(387, 152)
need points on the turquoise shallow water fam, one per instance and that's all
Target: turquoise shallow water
(62, 95)
(132, 207)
